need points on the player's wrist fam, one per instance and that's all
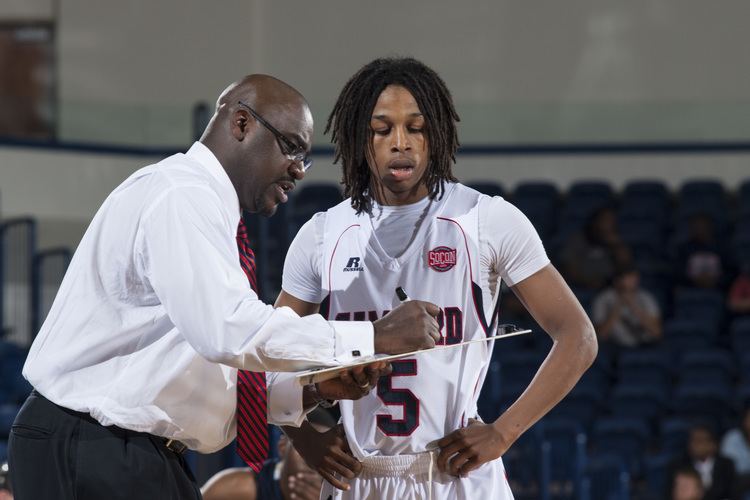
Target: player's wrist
(506, 435)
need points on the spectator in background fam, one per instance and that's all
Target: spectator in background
(738, 299)
(701, 259)
(716, 472)
(686, 485)
(736, 446)
(6, 492)
(625, 314)
(589, 257)
(283, 479)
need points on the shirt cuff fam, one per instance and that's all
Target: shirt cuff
(353, 339)
(284, 399)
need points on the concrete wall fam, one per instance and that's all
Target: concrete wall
(520, 71)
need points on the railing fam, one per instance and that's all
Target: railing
(17, 247)
(48, 270)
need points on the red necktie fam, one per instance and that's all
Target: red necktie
(252, 423)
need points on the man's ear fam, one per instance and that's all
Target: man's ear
(240, 125)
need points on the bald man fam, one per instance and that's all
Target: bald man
(138, 359)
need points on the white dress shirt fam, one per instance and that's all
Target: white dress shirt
(155, 313)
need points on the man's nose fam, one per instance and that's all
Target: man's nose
(400, 140)
(297, 171)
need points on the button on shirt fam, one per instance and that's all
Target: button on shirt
(155, 314)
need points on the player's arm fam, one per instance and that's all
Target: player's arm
(552, 304)
(515, 250)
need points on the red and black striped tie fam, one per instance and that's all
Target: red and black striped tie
(252, 422)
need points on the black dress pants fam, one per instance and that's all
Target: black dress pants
(60, 454)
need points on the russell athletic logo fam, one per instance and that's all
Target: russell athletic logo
(353, 265)
(441, 259)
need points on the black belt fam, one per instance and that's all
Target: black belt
(172, 445)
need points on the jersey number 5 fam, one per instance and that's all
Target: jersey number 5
(404, 398)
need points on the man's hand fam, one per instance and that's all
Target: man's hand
(354, 383)
(466, 449)
(328, 454)
(409, 327)
(305, 485)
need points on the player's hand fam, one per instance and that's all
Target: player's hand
(354, 383)
(305, 485)
(466, 449)
(409, 327)
(328, 454)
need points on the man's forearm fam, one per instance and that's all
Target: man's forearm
(570, 356)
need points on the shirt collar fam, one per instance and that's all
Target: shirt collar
(205, 157)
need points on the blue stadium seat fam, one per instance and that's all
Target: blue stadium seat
(742, 228)
(490, 188)
(583, 199)
(567, 454)
(644, 210)
(743, 365)
(311, 198)
(714, 366)
(3, 450)
(696, 296)
(523, 463)
(708, 402)
(646, 401)
(639, 367)
(743, 394)
(743, 199)
(740, 248)
(739, 331)
(537, 190)
(681, 335)
(488, 404)
(13, 387)
(8, 414)
(521, 367)
(647, 233)
(624, 436)
(582, 404)
(646, 189)
(673, 435)
(509, 393)
(703, 197)
(539, 202)
(656, 474)
(606, 477)
(541, 213)
(702, 188)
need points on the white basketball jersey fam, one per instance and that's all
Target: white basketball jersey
(433, 393)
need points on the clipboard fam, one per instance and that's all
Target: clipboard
(322, 374)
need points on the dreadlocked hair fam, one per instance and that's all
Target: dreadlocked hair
(351, 134)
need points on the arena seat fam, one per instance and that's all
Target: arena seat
(673, 434)
(490, 188)
(627, 437)
(714, 366)
(567, 454)
(645, 401)
(708, 402)
(606, 477)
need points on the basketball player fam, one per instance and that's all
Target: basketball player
(409, 223)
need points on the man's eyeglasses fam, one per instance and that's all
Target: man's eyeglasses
(292, 151)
